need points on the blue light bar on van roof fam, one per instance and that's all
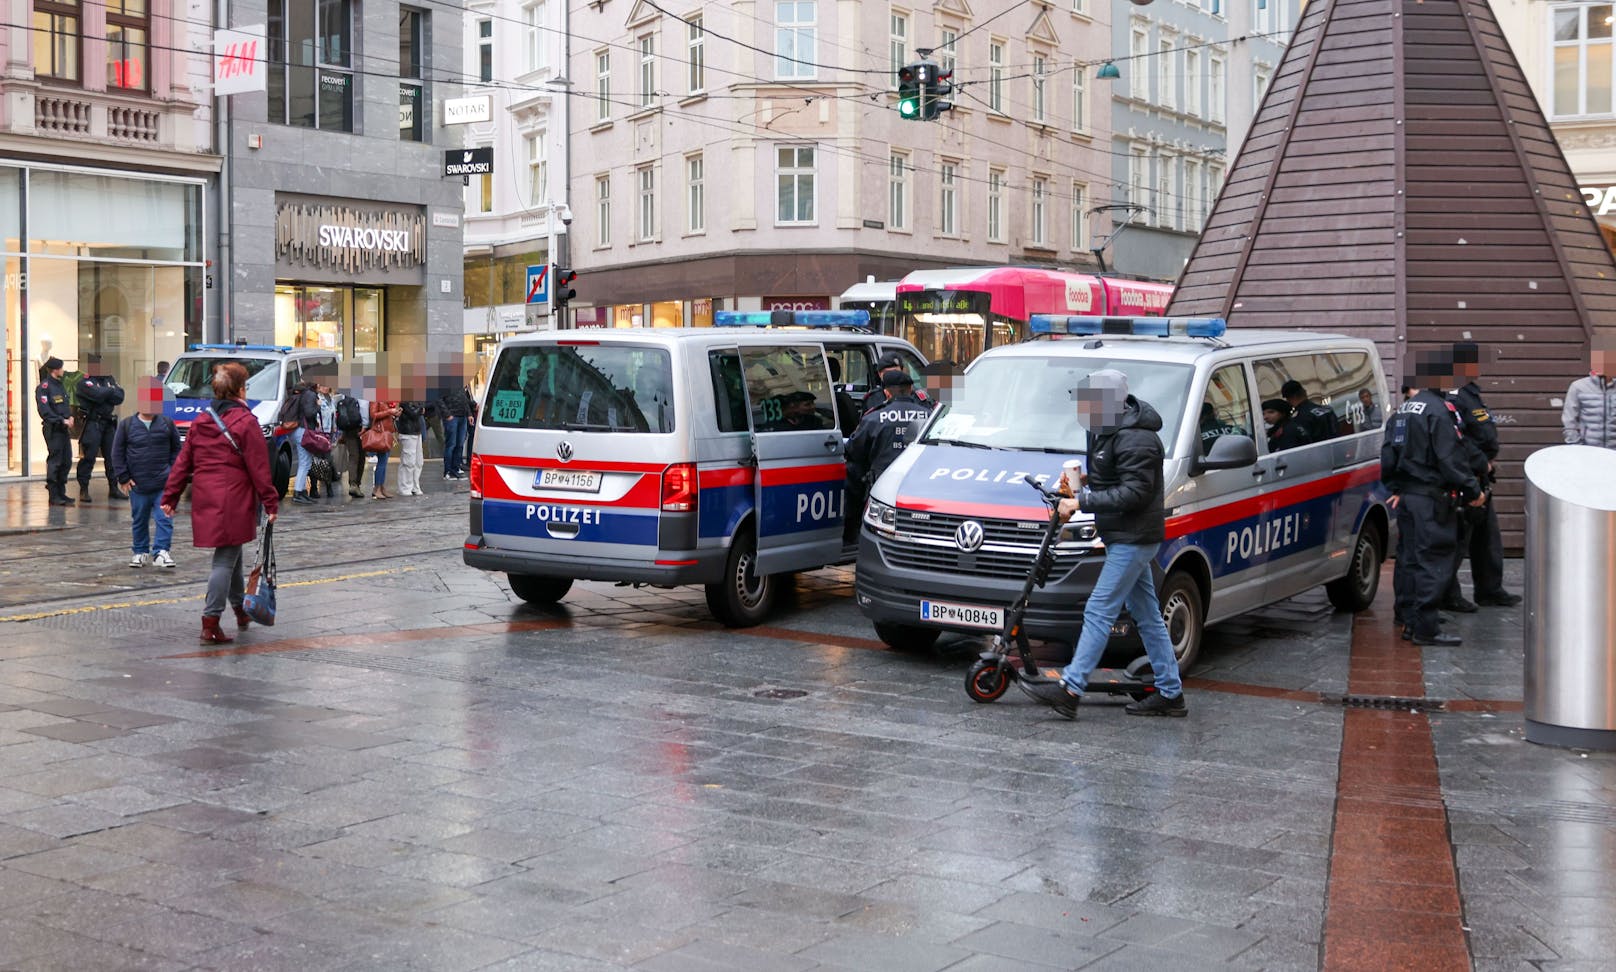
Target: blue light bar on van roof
(786, 318)
(240, 347)
(1195, 327)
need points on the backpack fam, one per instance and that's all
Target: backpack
(348, 417)
(291, 414)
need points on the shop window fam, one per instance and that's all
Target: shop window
(346, 321)
(57, 40)
(311, 81)
(367, 320)
(128, 30)
(412, 38)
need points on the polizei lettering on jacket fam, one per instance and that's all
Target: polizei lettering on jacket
(966, 474)
(906, 416)
(1254, 541)
(364, 238)
(549, 513)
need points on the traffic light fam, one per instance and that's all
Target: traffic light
(561, 286)
(909, 86)
(937, 87)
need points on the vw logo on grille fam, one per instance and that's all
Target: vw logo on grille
(968, 535)
(564, 450)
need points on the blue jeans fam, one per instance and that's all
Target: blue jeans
(454, 444)
(1125, 580)
(381, 468)
(304, 459)
(142, 507)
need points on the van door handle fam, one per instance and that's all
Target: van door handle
(1258, 473)
(1280, 468)
(833, 442)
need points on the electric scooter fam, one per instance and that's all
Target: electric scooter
(991, 674)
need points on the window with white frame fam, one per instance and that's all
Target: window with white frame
(647, 48)
(1080, 100)
(1262, 15)
(1192, 83)
(603, 85)
(1260, 76)
(1166, 78)
(947, 52)
(794, 184)
(1080, 6)
(898, 191)
(603, 210)
(1213, 7)
(646, 176)
(996, 76)
(1583, 62)
(1138, 56)
(695, 194)
(480, 195)
(898, 40)
(995, 205)
(485, 50)
(796, 38)
(1038, 85)
(696, 54)
(1214, 90)
(1166, 198)
(1139, 178)
(1040, 205)
(1192, 195)
(1080, 217)
(947, 199)
(1214, 180)
(535, 19)
(538, 169)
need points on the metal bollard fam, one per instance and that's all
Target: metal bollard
(1570, 689)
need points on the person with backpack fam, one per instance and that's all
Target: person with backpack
(300, 412)
(143, 450)
(350, 422)
(411, 426)
(455, 405)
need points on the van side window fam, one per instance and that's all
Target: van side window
(1226, 408)
(729, 390)
(1305, 384)
(851, 367)
(788, 389)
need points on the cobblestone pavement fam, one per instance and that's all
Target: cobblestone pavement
(412, 770)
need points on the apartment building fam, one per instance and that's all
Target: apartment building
(1191, 74)
(106, 153)
(750, 155)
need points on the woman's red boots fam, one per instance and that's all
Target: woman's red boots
(212, 634)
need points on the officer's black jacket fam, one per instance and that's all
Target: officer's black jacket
(1124, 491)
(1314, 422)
(1423, 450)
(50, 398)
(882, 434)
(1480, 433)
(1286, 435)
(100, 397)
(877, 397)
(1216, 429)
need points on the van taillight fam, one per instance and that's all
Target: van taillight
(679, 488)
(476, 476)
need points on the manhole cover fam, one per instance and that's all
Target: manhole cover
(779, 694)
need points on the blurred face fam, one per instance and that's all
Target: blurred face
(1601, 359)
(1097, 407)
(149, 396)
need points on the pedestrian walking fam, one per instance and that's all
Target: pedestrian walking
(143, 452)
(1481, 539)
(300, 413)
(1423, 463)
(56, 421)
(411, 427)
(1589, 414)
(1123, 489)
(378, 441)
(455, 407)
(230, 481)
(99, 396)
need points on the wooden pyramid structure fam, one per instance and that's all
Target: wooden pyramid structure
(1400, 183)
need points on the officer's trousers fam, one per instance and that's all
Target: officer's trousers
(1480, 540)
(97, 438)
(1429, 532)
(58, 459)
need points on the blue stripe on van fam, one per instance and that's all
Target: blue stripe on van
(596, 524)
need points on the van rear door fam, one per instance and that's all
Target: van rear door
(801, 477)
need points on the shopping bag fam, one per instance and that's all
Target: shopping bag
(316, 442)
(259, 601)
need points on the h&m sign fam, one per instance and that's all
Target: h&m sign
(349, 239)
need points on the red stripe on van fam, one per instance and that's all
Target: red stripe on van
(1178, 526)
(963, 508)
(643, 495)
(719, 478)
(797, 475)
(548, 462)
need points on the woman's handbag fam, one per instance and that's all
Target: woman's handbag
(316, 442)
(259, 601)
(376, 440)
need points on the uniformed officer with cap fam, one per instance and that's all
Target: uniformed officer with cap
(885, 432)
(1423, 463)
(1483, 542)
(56, 416)
(99, 396)
(888, 363)
(1313, 422)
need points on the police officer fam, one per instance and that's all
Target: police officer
(1213, 427)
(99, 397)
(881, 435)
(1423, 462)
(881, 393)
(1313, 422)
(56, 417)
(1483, 542)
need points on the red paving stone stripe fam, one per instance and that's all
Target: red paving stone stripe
(1392, 901)
(1256, 691)
(375, 638)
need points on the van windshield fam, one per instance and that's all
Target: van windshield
(581, 388)
(193, 377)
(1022, 403)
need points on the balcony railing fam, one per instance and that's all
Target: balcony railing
(104, 117)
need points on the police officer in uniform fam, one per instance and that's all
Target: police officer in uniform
(881, 394)
(57, 418)
(1213, 427)
(99, 396)
(881, 435)
(1485, 545)
(1423, 462)
(1313, 422)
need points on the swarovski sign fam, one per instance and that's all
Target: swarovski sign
(363, 238)
(351, 239)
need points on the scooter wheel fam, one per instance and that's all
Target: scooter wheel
(986, 681)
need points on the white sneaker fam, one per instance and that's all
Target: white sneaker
(139, 560)
(162, 559)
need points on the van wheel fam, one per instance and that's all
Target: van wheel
(1185, 617)
(282, 477)
(906, 637)
(1356, 591)
(744, 597)
(539, 590)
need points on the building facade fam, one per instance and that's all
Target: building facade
(342, 231)
(1191, 77)
(106, 155)
(747, 156)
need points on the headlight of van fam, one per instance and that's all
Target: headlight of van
(1079, 532)
(881, 518)
(268, 430)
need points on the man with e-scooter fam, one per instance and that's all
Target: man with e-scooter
(1123, 489)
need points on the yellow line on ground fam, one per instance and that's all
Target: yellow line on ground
(59, 612)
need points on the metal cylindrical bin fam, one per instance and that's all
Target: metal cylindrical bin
(1570, 691)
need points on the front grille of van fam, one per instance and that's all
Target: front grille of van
(941, 526)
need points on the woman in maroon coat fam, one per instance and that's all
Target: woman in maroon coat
(229, 481)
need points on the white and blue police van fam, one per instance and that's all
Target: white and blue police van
(707, 456)
(273, 371)
(951, 529)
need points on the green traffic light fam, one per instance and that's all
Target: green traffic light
(909, 107)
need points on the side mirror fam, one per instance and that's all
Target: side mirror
(1228, 452)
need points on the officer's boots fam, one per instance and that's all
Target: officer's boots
(84, 493)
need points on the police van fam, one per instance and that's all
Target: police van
(273, 371)
(951, 528)
(707, 456)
